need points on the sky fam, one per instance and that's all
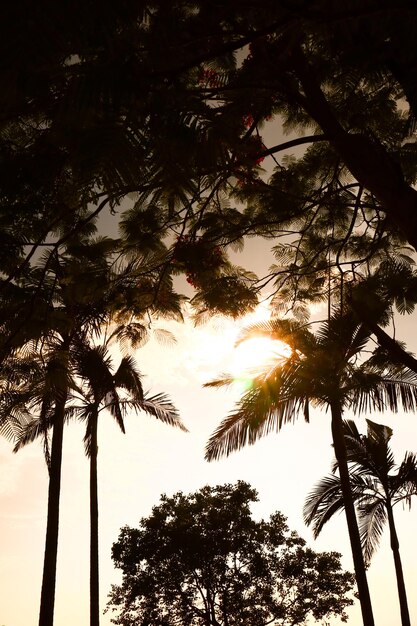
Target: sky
(153, 458)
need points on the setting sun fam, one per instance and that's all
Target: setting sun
(254, 354)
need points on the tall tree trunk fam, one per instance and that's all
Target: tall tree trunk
(94, 571)
(395, 547)
(355, 541)
(46, 613)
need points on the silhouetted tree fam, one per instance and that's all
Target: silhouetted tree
(201, 559)
(376, 488)
(117, 393)
(322, 369)
(79, 291)
(76, 309)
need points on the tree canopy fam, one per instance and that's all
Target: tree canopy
(173, 102)
(201, 559)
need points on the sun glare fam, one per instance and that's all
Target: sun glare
(218, 352)
(255, 355)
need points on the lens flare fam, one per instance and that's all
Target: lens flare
(255, 356)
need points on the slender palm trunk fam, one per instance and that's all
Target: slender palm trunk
(46, 613)
(94, 573)
(355, 542)
(395, 547)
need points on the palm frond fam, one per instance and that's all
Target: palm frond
(369, 392)
(272, 329)
(369, 454)
(161, 407)
(164, 337)
(232, 434)
(343, 334)
(274, 399)
(322, 503)
(403, 484)
(372, 517)
(295, 334)
(132, 335)
(378, 433)
(257, 414)
(37, 427)
(10, 428)
(94, 364)
(115, 407)
(223, 381)
(16, 408)
(80, 412)
(128, 377)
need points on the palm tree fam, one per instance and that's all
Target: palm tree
(68, 297)
(44, 395)
(323, 370)
(100, 390)
(376, 488)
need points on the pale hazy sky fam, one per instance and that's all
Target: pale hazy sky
(152, 458)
